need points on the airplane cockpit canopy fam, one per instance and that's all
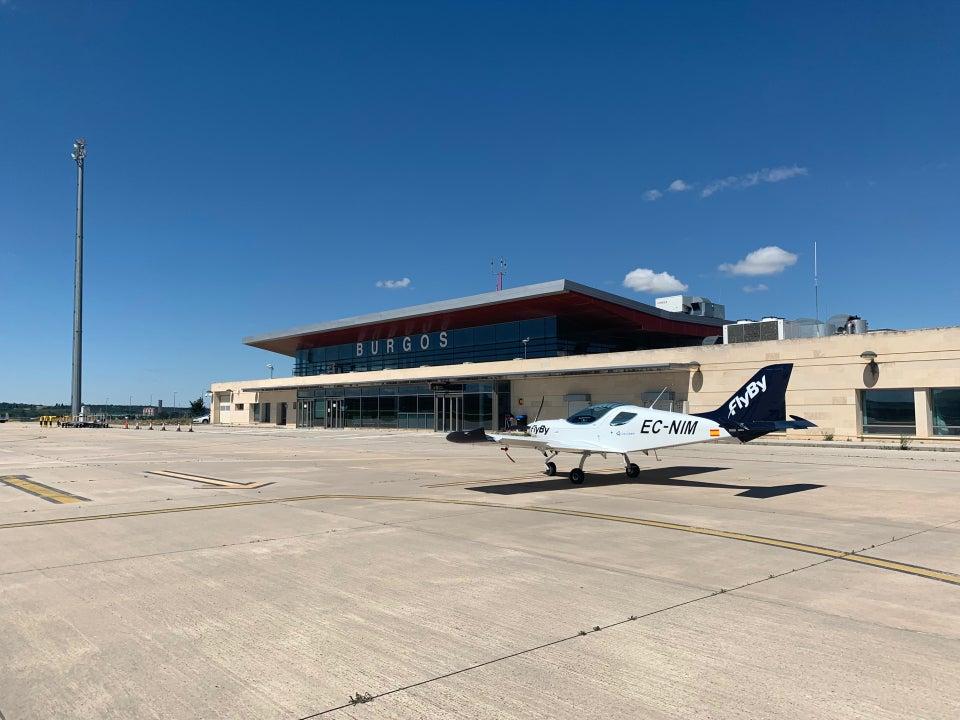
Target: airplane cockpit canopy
(592, 413)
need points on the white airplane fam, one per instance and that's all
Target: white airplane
(758, 408)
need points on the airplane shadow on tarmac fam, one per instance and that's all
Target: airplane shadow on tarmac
(653, 476)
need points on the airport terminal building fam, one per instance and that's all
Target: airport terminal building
(555, 347)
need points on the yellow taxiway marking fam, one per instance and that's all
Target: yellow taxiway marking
(208, 480)
(50, 494)
(476, 481)
(847, 556)
(529, 476)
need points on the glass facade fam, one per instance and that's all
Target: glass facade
(945, 404)
(889, 412)
(503, 341)
(549, 336)
(402, 406)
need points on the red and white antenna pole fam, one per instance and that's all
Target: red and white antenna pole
(499, 271)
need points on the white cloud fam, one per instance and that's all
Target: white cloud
(782, 173)
(679, 186)
(648, 281)
(767, 175)
(760, 287)
(394, 284)
(715, 186)
(763, 261)
(651, 195)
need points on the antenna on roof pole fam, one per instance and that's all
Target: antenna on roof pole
(499, 271)
(816, 287)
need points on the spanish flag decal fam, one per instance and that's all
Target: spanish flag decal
(714, 432)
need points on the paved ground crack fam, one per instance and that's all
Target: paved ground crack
(599, 628)
(567, 638)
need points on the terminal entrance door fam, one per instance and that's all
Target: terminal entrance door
(448, 413)
(334, 416)
(305, 413)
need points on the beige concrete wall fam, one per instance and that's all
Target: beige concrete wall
(237, 396)
(828, 373)
(613, 387)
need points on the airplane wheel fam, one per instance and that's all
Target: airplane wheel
(577, 476)
(633, 470)
(551, 469)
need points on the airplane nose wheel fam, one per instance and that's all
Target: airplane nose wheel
(577, 476)
(551, 469)
(633, 470)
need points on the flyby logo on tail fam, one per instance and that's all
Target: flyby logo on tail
(743, 401)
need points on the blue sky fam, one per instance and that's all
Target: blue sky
(254, 166)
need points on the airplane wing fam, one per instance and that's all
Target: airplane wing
(524, 441)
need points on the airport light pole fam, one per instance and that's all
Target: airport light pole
(79, 154)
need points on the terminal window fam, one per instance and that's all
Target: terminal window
(889, 412)
(946, 411)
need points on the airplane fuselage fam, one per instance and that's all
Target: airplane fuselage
(628, 428)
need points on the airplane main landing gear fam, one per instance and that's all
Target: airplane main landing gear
(550, 468)
(577, 476)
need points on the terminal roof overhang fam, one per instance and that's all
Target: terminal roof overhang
(558, 297)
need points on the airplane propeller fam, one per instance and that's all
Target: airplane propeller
(540, 409)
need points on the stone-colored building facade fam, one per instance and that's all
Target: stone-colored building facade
(834, 379)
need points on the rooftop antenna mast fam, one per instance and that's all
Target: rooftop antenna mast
(816, 287)
(499, 270)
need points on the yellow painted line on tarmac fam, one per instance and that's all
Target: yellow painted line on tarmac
(529, 476)
(475, 481)
(38, 489)
(916, 570)
(233, 485)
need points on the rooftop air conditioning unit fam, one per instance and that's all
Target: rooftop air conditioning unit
(749, 331)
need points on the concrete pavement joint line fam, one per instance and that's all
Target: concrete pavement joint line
(650, 497)
(44, 492)
(849, 556)
(818, 464)
(184, 551)
(558, 641)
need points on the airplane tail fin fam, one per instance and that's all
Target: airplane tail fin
(759, 407)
